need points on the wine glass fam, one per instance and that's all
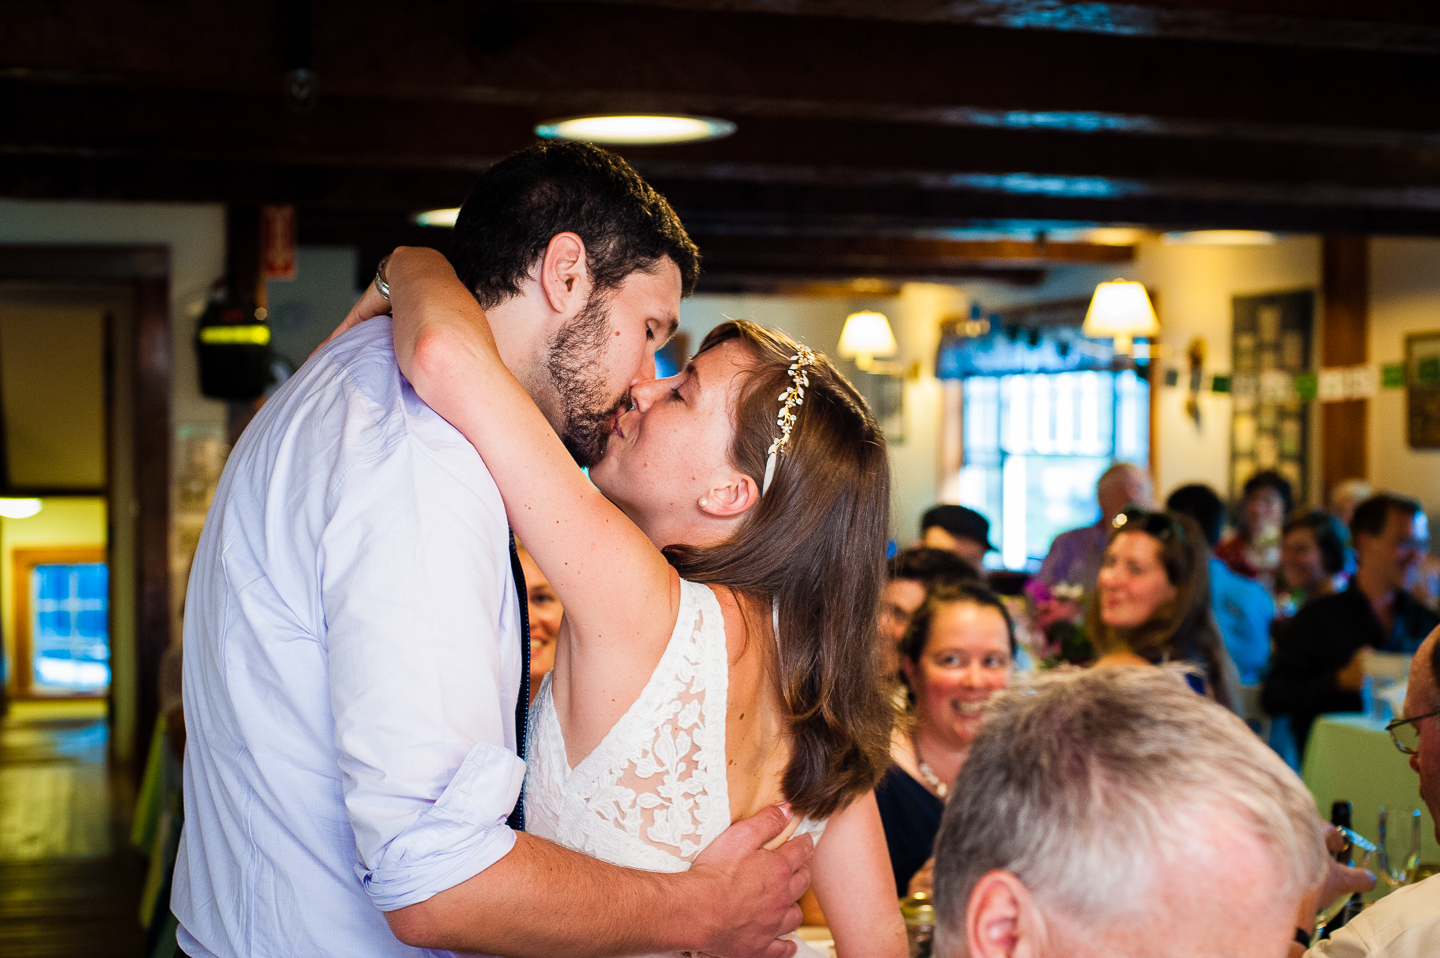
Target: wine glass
(1392, 876)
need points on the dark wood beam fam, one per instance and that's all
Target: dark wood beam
(569, 56)
(48, 120)
(1344, 341)
(891, 256)
(1339, 23)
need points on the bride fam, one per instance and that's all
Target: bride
(720, 581)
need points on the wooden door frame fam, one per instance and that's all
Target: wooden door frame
(26, 558)
(145, 270)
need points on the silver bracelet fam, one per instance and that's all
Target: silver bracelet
(381, 286)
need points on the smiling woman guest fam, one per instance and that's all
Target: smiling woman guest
(545, 612)
(1152, 601)
(958, 651)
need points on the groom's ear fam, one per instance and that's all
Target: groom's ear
(731, 494)
(563, 276)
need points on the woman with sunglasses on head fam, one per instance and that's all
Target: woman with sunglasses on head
(721, 581)
(1152, 601)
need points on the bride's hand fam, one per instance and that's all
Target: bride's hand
(437, 322)
(370, 304)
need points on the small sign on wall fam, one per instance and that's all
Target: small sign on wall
(1422, 392)
(277, 242)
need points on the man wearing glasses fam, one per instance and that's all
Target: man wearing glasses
(1406, 923)
(1318, 661)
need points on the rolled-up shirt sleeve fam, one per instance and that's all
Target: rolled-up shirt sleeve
(422, 638)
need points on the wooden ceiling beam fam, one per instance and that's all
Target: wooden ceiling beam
(1389, 24)
(575, 56)
(369, 132)
(889, 255)
(712, 206)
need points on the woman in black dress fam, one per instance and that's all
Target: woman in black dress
(958, 651)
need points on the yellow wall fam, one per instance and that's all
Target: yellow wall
(61, 522)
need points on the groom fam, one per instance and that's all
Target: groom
(352, 630)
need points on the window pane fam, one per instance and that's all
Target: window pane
(70, 628)
(1035, 445)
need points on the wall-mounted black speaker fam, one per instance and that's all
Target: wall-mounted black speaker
(234, 353)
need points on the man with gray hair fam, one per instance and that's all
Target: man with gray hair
(1405, 923)
(1115, 813)
(1074, 556)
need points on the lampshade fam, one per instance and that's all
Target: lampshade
(867, 335)
(1120, 310)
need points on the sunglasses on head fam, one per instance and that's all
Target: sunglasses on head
(1157, 524)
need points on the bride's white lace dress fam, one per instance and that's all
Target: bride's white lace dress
(653, 793)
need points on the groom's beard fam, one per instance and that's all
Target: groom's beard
(577, 372)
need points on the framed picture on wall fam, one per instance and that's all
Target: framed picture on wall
(1422, 389)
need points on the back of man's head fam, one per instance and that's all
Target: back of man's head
(931, 566)
(520, 203)
(1089, 787)
(1201, 503)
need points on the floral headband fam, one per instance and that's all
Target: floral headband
(789, 399)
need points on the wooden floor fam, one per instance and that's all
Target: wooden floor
(69, 883)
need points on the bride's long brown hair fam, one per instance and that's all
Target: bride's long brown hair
(815, 545)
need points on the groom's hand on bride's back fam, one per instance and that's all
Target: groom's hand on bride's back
(749, 893)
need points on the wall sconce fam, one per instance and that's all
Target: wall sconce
(867, 335)
(1120, 310)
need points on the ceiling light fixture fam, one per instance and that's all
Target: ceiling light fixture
(1120, 310)
(636, 130)
(438, 217)
(1219, 238)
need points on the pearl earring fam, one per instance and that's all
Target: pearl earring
(704, 502)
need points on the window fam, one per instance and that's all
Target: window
(62, 621)
(1034, 446)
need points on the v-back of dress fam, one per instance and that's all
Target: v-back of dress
(653, 793)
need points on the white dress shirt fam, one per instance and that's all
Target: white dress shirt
(1403, 924)
(352, 664)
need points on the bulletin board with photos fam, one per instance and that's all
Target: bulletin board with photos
(1422, 390)
(1270, 344)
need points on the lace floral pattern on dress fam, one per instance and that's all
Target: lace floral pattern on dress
(653, 793)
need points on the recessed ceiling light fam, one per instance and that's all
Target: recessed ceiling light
(438, 217)
(636, 130)
(1220, 238)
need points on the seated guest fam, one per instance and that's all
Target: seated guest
(1313, 554)
(1346, 496)
(1242, 608)
(1152, 601)
(962, 531)
(545, 611)
(1318, 664)
(1405, 923)
(913, 573)
(1074, 556)
(1111, 812)
(958, 651)
(1253, 550)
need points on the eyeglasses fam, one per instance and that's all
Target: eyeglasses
(1406, 734)
(1158, 524)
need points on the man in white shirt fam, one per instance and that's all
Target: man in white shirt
(352, 630)
(1405, 923)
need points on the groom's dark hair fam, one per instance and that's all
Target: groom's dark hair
(520, 203)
